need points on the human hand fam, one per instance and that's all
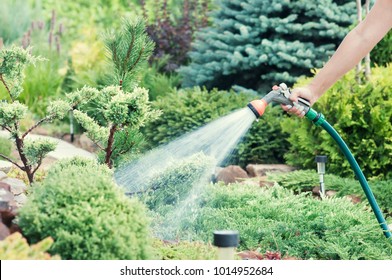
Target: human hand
(297, 109)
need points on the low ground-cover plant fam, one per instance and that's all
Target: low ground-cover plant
(175, 183)
(87, 215)
(275, 219)
(173, 194)
(306, 180)
(184, 250)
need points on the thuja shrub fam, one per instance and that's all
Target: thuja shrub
(361, 114)
(86, 214)
(274, 219)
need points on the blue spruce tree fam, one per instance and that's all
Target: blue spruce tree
(257, 43)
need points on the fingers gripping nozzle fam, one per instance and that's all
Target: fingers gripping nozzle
(279, 94)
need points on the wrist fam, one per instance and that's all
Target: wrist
(316, 92)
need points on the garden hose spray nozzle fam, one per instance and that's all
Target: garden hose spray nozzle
(279, 94)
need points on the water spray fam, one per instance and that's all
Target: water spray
(281, 94)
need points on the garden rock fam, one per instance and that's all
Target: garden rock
(231, 174)
(17, 186)
(353, 198)
(258, 170)
(5, 166)
(5, 186)
(330, 193)
(2, 175)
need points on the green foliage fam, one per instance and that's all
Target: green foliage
(121, 108)
(11, 113)
(173, 194)
(306, 180)
(87, 215)
(15, 20)
(361, 114)
(15, 247)
(36, 150)
(274, 219)
(381, 55)
(264, 142)
(184, 250)
(188, 109)
(13, 62)
(256, 43)
(158, 84)
(175, 183)
(128, 49)
(5, 146)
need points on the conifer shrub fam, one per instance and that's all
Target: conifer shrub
(186, 110)
(274, 219)
(15, 247)
(258, 43)
(381, 55)
(361, 114)
(175, 183)
(265, 142)
(87, 215)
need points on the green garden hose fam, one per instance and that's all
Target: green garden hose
(280, 94)
(319, 119)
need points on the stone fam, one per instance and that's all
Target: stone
(20, 199)
(259, 170)
(5, 166)
(5, 186)
(17, 186)
(316, 190)
(330, 193)
(263, 182)
(4, 231)
(2, 175)
(353, 198)
(231, 174)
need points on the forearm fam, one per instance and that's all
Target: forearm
(354, 47)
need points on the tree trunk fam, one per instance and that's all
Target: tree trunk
(27, 167)
(109, 148)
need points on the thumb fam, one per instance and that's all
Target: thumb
(295, 93)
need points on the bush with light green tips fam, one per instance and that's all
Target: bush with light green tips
(88, 216)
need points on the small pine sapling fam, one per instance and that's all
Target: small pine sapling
(113, 116)
(31, 152)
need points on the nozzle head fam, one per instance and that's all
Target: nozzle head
(258, 107)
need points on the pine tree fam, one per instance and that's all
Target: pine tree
(112, 116)
(13, 62)
(257, 43)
